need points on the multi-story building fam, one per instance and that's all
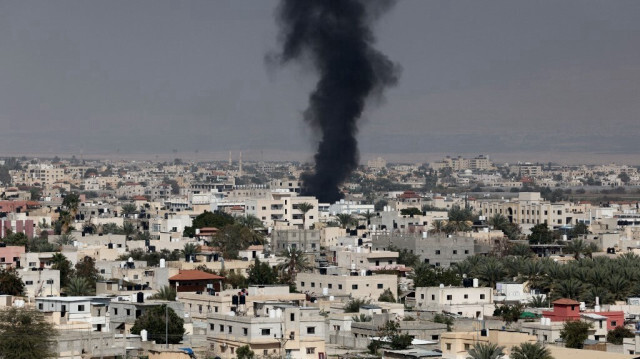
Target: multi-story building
(468, 302)
(436, 250)
(275, 328)
(530, 209)
(358, 286)
(280, 209)
(68, 310)
(40, 282)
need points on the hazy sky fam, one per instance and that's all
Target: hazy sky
(478, 76)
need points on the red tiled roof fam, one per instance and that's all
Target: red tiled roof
(194, 275)
(139, 198)
(566, 301)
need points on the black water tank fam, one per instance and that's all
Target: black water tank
(242, 299)
(234, 300)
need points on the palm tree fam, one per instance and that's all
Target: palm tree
(78, 286)
(250, 221)
(530, 351)
(304, 207)
(486, 351)
(361, 318)
(65, 219)
(498, 221)
(569, 288)
(537, 301)
(190, 250)
(345, 219)
(128, 229)
(576, 246)
(129, 209)
(590, 249)
(295, 261)
(165, 293)
(65, 239)
(491, 272)
(368, 215)
(438, 226)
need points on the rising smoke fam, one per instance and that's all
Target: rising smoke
(335, 37)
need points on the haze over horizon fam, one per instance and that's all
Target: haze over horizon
(150, 77)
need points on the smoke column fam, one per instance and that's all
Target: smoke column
(335, 37)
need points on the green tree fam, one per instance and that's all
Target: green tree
(579, 229)
(486, 351)
(233, 238)
(530, 351)
(129, 209)
(577, 247)
(78, 286)
(368, 215)
(405, 256)
(617, 335)
(10, 282)
(26, 334)
(624, 177)
(379, 206)
(153, 321)
(86, 268)
(245, 352)
(411, 211)
(574, 333)
(541, 234)
(387, 296)
(61, 263)
(396, 339)
(443, 319)
(354, 304)
(491, 271)
(71, 201)
(508, 313)
(361, 318)
(165, 293)
(304, 207)
(65, 239)
(260, 273)
(208, 219)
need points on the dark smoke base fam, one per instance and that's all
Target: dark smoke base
(336, 36)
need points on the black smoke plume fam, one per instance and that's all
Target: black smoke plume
(335, 37)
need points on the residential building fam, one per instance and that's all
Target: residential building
(277, 329)
(436, 250)
(358, 286)
(468, 302)
(64, 311)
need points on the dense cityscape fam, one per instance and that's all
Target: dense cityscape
(417, 260)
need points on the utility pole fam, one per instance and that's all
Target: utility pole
(166, 326)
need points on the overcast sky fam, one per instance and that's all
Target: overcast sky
(478, 76)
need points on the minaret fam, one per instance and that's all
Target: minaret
(240, 165)
(230, 160)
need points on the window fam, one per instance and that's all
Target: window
(221, 327)
(467, 346)
(128, 311)
(212, 326)
(302, 284)
(292, 316)
(354, 286)
(266, 331)
(380, 286)
(230, 329)
(339, 286)
(81, 308)
(466, 251)
(449, 297)
(448, 346)
(455, 251)
(437, 251)
(215, 309)
(311, 330)
(614, 323)
(115, 311)
(466, 296)
(330, 285)
(433, 297)
(313, 284)
(422, 296)
(40, 306)
(435, 337)
(311, 350)
(29, 282)
(481, 296)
